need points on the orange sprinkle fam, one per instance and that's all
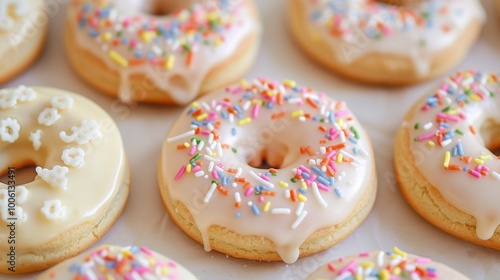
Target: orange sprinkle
(240, 180)
(197, 112)
(466, 159)
(312, 103)
(222, 189)
(322, 128)
(136, 61)
(472, 129)
(225, 146)
(322, 141)
(217, 125)
(324, 162)
(272, 170)
(197, 130)
(120, 266)
(338, 146)
(232, 170)
(189, 59)
(310, 151)
(293, 195)
(279, 99)
(330, 171)
(454, 167)
(246, 185)
(270, 193)
(237, 205)
(180, 147)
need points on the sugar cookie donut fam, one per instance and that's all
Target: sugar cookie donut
(313, 193)
(116, 262)
(73, 200)
(23, 29)
(123, 50)
(394, 264)
(388, 44)
(443, 165)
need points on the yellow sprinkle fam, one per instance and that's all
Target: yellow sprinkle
(214, 154)
(202, 117)
(358, 277)
(397, 251)
(479, 161)
(431, 144)
(485, 157)
(340, 122)
(195, 104)
(266, 206)
(384, 274)
(257, 101)
(283, 184)
(396, 271)
(218, 42)
(454, 112)
(447, 157)
(340, 157)
(302, 198)
(187, 145)
(297, 113)
(106, 36)
(289, 83)
(244, 83)
(164, 271)
(147, 36)
(475, 97)
(102, 269)
(118, 58)
(170, 62)
(188, 168)
(244, 121)
(270, 93)
(109, 277)
(366, 265)
(303, 185)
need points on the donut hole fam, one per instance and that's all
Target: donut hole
(158, 7)
(490, 132)
(270, 156)
(23, 174)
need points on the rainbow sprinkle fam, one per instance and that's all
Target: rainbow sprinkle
(131, 41)
(323, 177)
(382, 265)
(454, 99)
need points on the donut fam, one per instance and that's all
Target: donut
(382, 43)
(395, 264)
(444, 161)
(23, 29)
(117, 262)
(188, 48)
(266, 170)
(81, 183)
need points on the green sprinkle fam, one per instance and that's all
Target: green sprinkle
(459, 131)
(446, 109)
(274, 174)
(294, 180)
(417, 126)
(356, 135)
(258, 193)
(195, 158)
(415, 139)
(234, 150)
(198, 140)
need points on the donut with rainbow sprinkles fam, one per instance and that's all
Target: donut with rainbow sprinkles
(267, 170)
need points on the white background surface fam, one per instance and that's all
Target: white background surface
(380, 110)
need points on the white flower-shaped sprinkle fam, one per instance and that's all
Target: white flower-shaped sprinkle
(73, 157)
(9, 130)
(36, 139)
(83, 134)
(17, 212)
(48, 116)
(55, 177)
(53, 209)
(21, 194)
(7, 99)
(62, 102)
(24, 94)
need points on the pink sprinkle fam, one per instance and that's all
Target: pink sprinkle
(192, 150)
(94, 23)
(348, 267)
(462, 115)
(264, 177)
(215, 175)
(311, 179)
(205, 132)
(431, 274)
(133, 43)
(237, 90)
(249, 191)
(479, 168)
(146, 251)
(448, 117)
(426, 136)
(180, 173)
(172, 264)
(334, 135)
(255, 111)
(323, 187)
(141, 270)
(330, 154)
(331, 267)
(341, 113)
(341, 259)
(225, 104)
(485, 168)
(303, 168)
(261, 198)
(444, 87)
(474, 173)
(364, 254)
(423, 260)
(196, 169)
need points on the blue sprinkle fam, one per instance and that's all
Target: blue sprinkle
(138, 54)
(353, 140)
(270, 105)
(302, 191)
(267, 173)
(238, 214)
(449, 135)
(93, 32)
(74, 267)
(82, 23)
(238, 109)
(454, 151)
(247, 95)
(258, 188)
(323, 181)
(255, 210)
(318, 171)
(315, 119)
(196, 123)
(332, 181)
(86, 7)
(233, 131)
(265, 188)
(224, 115)
(331, 117)
(151, 55)
(221, 175)
(305, 175)
(445, 125)
(229, 179)
(460, 149)
(355, 150)
(104, 13)
(338, 192)
(124, 41)
(466, 169)
(223, 181)
(190, 111)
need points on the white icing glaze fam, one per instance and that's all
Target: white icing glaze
(138, 263)
(171, 48)
(252, 121)
(83, 191)
(474, 192)
(418, 32)
(394, 264)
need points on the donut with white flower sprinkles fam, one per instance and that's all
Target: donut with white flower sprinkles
(23, 29)
(269, 171)
(116, 262)
(395, 264)
(161, 51)
(386, 42)
(445, 161)
(72, 201)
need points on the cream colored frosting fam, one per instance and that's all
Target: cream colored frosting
(116, 262)
(174, 75)
(394, 264)
(419, 31)
(467, 103)
(274, 121)
(70, 152)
